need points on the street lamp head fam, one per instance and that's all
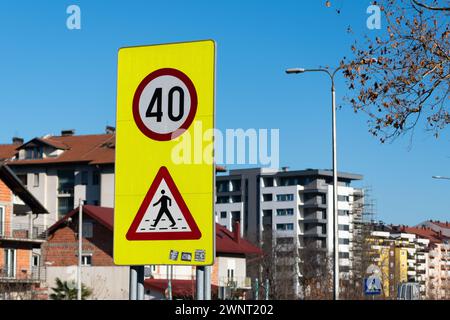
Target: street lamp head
(295, 70)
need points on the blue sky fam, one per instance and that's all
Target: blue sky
(53, 78)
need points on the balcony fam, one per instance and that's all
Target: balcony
(316, 187)
(23, 232)
(315, 202)
(236, 282)
(315, 232)
(35, 274)
(315, 217)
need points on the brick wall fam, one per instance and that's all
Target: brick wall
(61, 249)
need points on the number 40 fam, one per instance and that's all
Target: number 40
(157, 99)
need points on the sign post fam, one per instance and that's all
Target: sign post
(164, 174)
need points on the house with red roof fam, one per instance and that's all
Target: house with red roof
(59, 170)
(108, 281)
(21, 272)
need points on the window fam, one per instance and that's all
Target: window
(23, 178)
(344, 227)
(343, 198)
(222, 186)
(285, 226)
(222, 199)
(84, 177)
(223, 214)
(35, 152)
(285, 212)
(65, 204)
(230, 274)
(66, 181)
(235, 199)
(285, 197)
(95, 178)
(268, 182)
(236, 185)
(344, 241)
(86, 259)
(36, 180)
(10, 263)
(2, 220)
(88, 229)
(343, 212)
(35, 260)
(344, 255)
(267, 197)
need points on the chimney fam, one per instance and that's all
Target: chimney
(17, 140)
(446, 223)
(110, 130)
(284, 169)
(237, 231)
(67, 133)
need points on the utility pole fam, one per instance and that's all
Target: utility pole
(80, 247)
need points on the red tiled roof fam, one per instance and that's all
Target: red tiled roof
(180, 288)
(226, 241)
(424, 232)
(102, 214)
(93, 149)
(7, 151)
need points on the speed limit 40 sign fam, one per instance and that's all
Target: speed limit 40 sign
(164, 210)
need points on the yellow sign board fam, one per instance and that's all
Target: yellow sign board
(164, 198)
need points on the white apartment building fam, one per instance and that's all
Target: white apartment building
(295, 207)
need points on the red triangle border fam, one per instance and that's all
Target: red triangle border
(163, 173)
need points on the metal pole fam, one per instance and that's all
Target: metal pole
(267, 289)
(200, 285)
(207, 284)
(140, 283)
(169, 281)
(335, 202)
(256, 289)
(133, 283)
(80, 247)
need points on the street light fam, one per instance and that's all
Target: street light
(334, 152)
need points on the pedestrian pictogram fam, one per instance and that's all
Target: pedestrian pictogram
(163, 214)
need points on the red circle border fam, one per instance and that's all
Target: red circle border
(194, 101)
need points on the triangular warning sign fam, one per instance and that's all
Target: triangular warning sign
(163, 214)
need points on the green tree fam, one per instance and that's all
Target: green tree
(65, 290)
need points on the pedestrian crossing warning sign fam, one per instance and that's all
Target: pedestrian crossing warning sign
(163, 214)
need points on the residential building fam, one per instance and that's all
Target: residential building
(294, 207)
(438, 266)
(21, 272)
(60, 253)
(402, 257)
(228, 274)
(61, 170)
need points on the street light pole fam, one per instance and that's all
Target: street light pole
(335, 178)
(80, 248)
